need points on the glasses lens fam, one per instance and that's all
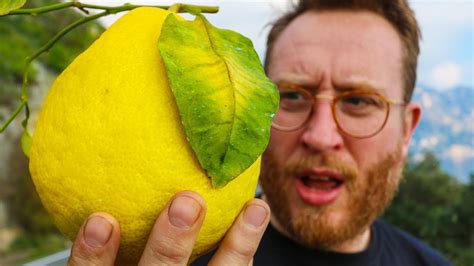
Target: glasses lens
(295, 106)
(361, 114)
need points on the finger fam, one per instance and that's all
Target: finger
(241, 242)
(97, 242)
(175, 231)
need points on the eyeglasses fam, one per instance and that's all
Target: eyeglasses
(358, 113)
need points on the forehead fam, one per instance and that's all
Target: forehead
(338, 47)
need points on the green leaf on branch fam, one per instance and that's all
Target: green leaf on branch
(26, 143)
(8, 5)
(225, 100)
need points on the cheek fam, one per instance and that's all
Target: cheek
(282, 145)
(368, 151)
(393, 130)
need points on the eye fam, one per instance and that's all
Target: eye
(362, 100)
(291, 95)
(293, 100)
(356, 100)
(361, 104)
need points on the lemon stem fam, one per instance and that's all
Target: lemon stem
(108, 10)
(12, 117)
(83, 7)
(175, 8)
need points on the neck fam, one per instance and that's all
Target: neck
(356, 244)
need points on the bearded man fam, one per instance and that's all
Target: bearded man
(346, 71)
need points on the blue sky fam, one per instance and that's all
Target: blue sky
(446, 59)
(447, 47)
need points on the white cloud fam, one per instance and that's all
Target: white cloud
(445, 75)
(418, 157)
(460, 153)
(429, 142)
(426, 100)
(457, 127)
(446, 120)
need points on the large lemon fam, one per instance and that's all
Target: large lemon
(109, 139)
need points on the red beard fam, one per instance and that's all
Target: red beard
(312, 226)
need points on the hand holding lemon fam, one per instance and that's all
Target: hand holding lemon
(174, 233)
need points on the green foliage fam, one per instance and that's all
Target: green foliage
(22, 35)
(436, 208)
(37, 246)
(8, 5)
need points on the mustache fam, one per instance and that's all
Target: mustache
(348, 170)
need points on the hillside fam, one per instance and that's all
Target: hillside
(447, 128)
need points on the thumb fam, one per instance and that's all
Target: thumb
(97, 242)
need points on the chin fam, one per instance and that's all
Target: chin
(316, 223)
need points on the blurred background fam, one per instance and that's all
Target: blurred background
(436, 198)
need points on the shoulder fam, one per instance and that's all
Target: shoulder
(405, 245)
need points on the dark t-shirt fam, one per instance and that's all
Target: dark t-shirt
(388, 246)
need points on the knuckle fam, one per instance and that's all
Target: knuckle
(169, 252)
(81, 255)
(241, 248)
(82, 259)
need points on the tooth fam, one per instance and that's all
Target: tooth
(320, 178)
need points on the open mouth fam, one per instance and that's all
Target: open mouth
(319, 187)
(324, 183)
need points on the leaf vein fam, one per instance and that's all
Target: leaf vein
(214, 49)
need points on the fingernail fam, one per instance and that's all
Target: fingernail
(97, 231)
(184, 211)
(255, 215)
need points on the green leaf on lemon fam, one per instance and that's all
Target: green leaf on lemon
(8, 5)
(226, 102)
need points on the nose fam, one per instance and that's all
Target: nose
(321, 133)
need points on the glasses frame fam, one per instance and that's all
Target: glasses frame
(334, 100)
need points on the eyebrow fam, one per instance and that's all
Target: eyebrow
(310, 88)
(348, 86)
(341, 87)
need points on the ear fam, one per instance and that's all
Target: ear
(411, 120)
